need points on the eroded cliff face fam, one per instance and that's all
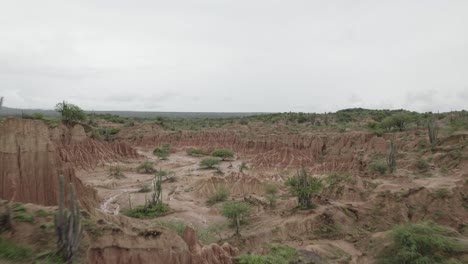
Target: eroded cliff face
(325, 152)
(30, 165)
(157, 246)
(32, 156)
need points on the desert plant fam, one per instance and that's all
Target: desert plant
(68, 224)
(379, 166)
(116, 172)
(391, 158)
(71, 114)
(271, 192)
(236, 211)
(421, 242)
(161, 153)
(276, 254)
(220, 195)
(14, 252)
(223, 154)
(146, 167)
(422, 165)
(166, 175)
(195, 152)
(243, 166)
(303, 185)
(432, 130)
(396, 121)
(209, 163)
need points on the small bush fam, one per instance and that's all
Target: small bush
(422, 165)
(146, 212)
(243, 166)
(277, 254)
(236, 211)
(161, 153)
(146, 167)
(379, 166)
(209, 163)
(221, 194)
(12, 251)
(174, 224)
(168, 176)
(195, 152)
(223, 153)
(270, 193)
(423, 242)
(21, 215)
(116, 172)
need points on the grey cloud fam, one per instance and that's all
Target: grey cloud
(235, 55)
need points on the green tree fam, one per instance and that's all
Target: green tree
(161, 153)
(223, 153)
(303, 185)
(236, 211)
(209, 163)
(71, 114)
(396, 121)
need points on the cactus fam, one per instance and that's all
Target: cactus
(432, 131)
(156, 195)
(67, 223)
(391, 159)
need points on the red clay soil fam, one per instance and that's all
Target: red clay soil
(32, 156)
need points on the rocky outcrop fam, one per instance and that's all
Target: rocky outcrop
(30, 165)
(157, 246)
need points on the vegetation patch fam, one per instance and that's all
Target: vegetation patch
(379, 166)
(422, 242)
(146, 212)
(276, 254)
(221, 195)
(146, 167)
(14, 252)
(223, 154)
(195, 152)
(209, 163)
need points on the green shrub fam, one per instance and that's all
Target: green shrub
(174, 224)
(209, 163)
(379, 166)
(277, 254)
(195, 152)
(221, 194)
(271, 192)
(236, 211)
(20, 214)
(303, 185)
(422, 165)
(422, 242)
(223, 153)
(161, 153)
(116, 172)
(146, 212)
(12, 251)
(146, 167)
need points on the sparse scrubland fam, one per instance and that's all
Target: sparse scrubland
(354, 186)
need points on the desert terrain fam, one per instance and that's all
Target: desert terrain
(355, 211)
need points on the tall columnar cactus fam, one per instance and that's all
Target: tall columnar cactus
(432, 130)
(67, 223)
(156, 196)
(391, 159)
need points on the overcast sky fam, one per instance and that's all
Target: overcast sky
(235, 56)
